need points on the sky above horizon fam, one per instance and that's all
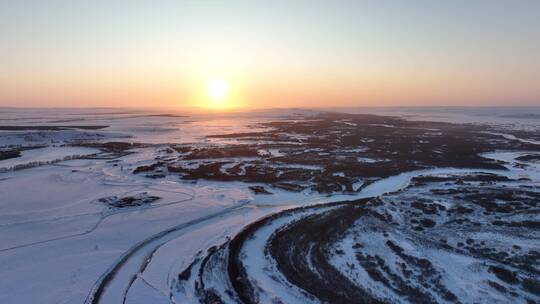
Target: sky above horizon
(269, 53)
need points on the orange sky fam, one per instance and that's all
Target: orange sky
(301, 54)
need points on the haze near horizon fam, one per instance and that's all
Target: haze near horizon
(223, 55)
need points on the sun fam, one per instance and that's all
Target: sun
(219, 94)
(217, 90)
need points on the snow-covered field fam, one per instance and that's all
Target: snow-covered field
(57, 239)
(77, 226)
(46, 155)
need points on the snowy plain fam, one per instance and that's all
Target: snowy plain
(57, 240)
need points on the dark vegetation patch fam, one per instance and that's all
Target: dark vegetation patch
(222, 152)
(212, 266)
(259, 190)
(326, 153)
(186, 273)
(136, 200)
(454, 214)
(49, 128)
(247, 293)
(532, 285)
(483, 207)
(446, 213)
(504, 274)
(309, 237)
(111, 149)
(7, 154)
(148, 168)
(529, 158)
(307, 243)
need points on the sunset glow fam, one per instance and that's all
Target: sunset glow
(255, 151)
(301, 54)
(217, 91)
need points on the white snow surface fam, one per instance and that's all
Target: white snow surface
(46, 155)
(57, 240)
